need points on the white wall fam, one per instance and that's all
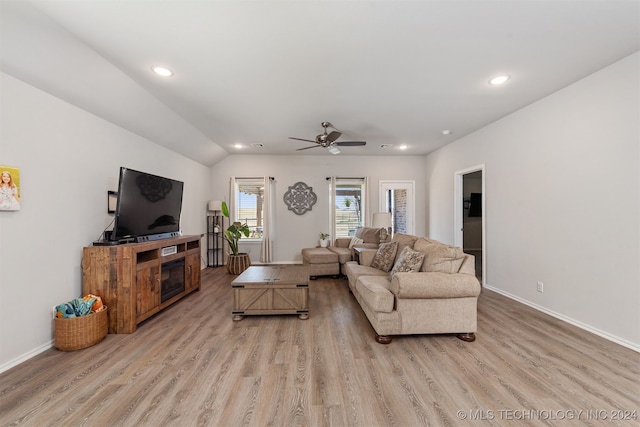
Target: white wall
(562, 201)
(294, 232)
(68, 159)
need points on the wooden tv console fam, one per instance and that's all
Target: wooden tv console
(128, 277)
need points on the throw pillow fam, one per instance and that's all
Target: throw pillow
(369, 234)
(355, 241)
(386, 254)
(403, 240)
(409, 261)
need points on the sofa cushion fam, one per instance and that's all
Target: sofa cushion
(319, 256)
(409, 261)
(344, 254)
(439, 257)
(375, 291)
(385, 256)
(342, 242)
(369, 234)
(468, 265)
(354, 271)
(403, 240)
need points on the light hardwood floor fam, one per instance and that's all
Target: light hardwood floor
(191, 365)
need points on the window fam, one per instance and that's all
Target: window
(348, 205)
(249, 204)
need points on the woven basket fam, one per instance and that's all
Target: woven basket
(236, 264)
(76, 333)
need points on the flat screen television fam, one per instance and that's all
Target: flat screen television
(475, 209)
(148, 207)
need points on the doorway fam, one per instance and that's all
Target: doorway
(397, 197)
(470, 216)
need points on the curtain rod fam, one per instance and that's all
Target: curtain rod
(253, 177)
(345, 177)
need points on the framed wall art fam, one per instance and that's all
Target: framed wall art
(300, 198)
(9, 188)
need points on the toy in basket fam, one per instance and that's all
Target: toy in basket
(80, 323)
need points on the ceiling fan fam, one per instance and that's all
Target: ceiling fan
(328, 140)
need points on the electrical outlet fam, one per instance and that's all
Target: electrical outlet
(540, 287)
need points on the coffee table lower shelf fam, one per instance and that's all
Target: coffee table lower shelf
(271, 291)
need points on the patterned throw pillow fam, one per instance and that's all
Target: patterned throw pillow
(409, 261)
(383, 260)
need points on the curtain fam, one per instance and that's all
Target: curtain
(267, 214)
(332, 207)
(231, 204)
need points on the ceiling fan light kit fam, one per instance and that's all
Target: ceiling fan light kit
(329, 140)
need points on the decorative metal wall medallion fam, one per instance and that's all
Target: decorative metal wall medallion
(300, 198)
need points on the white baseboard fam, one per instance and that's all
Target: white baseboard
(630, 345)
(23, 358)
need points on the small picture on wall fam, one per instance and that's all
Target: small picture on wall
(9, 188)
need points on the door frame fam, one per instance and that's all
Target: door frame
(400, 184)
(458, 213)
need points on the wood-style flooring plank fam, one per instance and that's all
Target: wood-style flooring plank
(192, 365)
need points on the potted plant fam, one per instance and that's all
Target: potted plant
(324, 240)
(238, 262)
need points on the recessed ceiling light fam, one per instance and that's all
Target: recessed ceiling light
(237, 146)
(447, 132)
(403, 147)
(499, 79)
(162, 71)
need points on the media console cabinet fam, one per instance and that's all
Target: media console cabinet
(137, 280)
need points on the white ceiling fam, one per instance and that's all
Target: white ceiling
(387, 72)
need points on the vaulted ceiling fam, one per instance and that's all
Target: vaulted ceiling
(254, 73)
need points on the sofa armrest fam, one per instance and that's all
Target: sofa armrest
(342, 242)
(434, 285)
(366, 256)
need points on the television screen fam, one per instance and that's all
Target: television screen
(475, 210)
(148, 205)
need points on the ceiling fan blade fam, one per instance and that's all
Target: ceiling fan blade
(333, 136)
(301, 139)
(306, 148)
(350, 143)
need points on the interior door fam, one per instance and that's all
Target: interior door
(469, 230)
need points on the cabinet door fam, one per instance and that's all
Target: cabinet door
(147, 289)
(192, 276)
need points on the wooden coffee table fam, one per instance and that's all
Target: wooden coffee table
(271, 290)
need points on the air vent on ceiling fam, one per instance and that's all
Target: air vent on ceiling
(383, 146)
(257, 145)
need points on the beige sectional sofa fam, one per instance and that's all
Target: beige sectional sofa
(431, 288)
(330, 261)
(371, 239)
